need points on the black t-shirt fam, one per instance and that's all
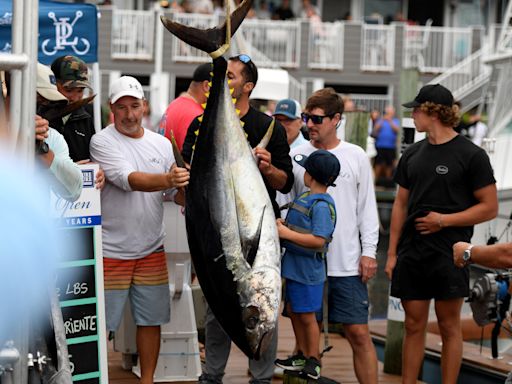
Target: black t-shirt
(440, 178)
(283, 13)
(77, 131)
(255, 125)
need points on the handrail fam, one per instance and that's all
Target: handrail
(465, 76)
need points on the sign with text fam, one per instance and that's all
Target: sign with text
(395, 310)
(79, 281)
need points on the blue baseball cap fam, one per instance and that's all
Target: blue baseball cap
(288, 107)
(322, 165)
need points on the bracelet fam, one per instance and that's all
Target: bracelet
(440, 221)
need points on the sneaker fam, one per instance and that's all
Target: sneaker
(292, 363)
(312, 368)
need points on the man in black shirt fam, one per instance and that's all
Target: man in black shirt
(77, 127)
(276, 168)
(446, 186)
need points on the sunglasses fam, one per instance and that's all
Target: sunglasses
(316, 119)
(246, 59)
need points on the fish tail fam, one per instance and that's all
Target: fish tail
(214, 41)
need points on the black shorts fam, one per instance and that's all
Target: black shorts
(385, 156)
(433, 276)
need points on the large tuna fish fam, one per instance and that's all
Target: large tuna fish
(231, 226)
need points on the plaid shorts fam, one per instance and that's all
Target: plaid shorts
(145, 282)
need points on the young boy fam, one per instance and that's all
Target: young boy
(306, 234)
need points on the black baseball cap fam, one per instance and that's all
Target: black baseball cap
(203, 72)
(322, 165)
(434, 93)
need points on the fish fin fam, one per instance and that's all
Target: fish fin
(264, 141)
(250, 245)
(214, 41)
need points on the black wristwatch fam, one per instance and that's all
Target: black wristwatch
(42, 147)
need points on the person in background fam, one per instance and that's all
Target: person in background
(283, 12)
(288, 113)
(385, 133)
(139, 165)
(263, 12)
(52, 152)
(77, 127)
(351, 260)
(182, 110)
(306, 235)
(445, 187)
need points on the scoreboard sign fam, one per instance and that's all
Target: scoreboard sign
(80, 281)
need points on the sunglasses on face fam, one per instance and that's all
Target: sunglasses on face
(316, 119)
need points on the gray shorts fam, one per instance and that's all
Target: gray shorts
(145, 282)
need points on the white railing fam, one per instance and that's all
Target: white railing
(296, 90)
(435, 49)
(500, 113)
(132, 34)
(181, 51)
(278, 41)
(466, 76)
(368, 102)
(378, 48)
(326, 45)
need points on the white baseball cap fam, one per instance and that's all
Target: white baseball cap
(47, 84)
(125, 86)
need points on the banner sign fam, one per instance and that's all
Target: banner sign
(64, 29)
(395, 309)
(80, 281)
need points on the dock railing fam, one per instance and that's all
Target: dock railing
(378, 48)
(132, 34)
(326, 45)
(435, 49)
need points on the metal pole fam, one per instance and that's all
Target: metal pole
(26, 138)
(159, 107)
(15, 91)
(96, 84)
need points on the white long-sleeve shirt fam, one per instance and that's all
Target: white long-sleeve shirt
(65, 176)
(357, 226)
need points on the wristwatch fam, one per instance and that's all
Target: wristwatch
(466, 256)
(42, 147)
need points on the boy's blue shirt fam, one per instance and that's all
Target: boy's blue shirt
(308, 269)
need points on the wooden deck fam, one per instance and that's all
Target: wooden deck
(337, 364)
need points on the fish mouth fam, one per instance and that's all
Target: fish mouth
(257, 336)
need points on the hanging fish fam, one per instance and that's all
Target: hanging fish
(230, 222)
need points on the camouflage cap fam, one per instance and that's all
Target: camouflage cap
(71, 72)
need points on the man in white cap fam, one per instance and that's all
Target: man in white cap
(51, 149)
(139, 165)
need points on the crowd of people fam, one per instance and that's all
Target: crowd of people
(329, 232)
(262, 9)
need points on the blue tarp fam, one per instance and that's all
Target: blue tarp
(64, 29)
